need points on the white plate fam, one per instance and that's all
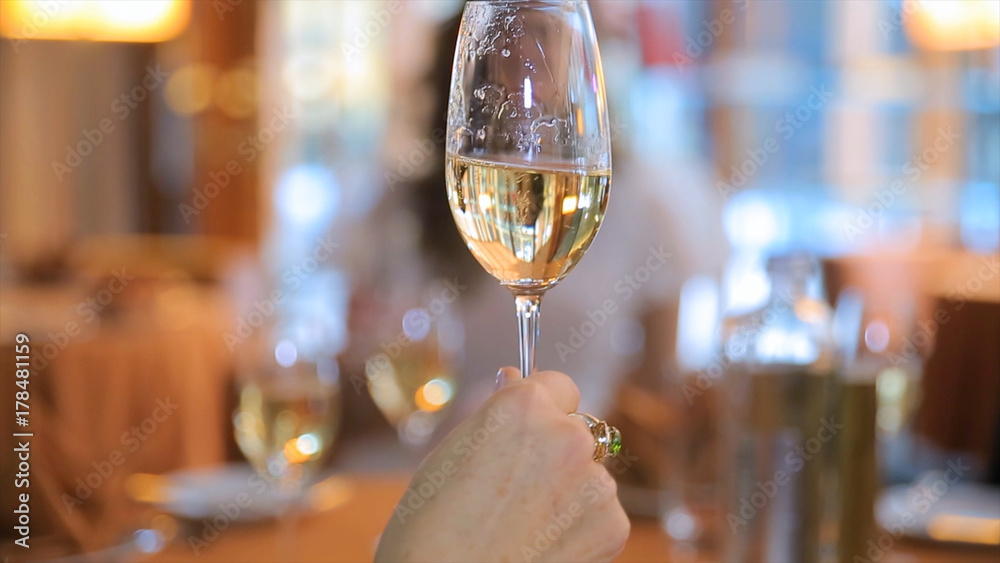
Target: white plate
(234, 490)
(936, 510)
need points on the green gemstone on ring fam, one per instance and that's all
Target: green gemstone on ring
(616, 442)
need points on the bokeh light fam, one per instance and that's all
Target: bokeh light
(140, 21)
(307, 195)
(189, 89)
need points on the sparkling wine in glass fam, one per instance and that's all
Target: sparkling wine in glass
(412, 377)
(287, 426)
(287, 420)
(529, 145)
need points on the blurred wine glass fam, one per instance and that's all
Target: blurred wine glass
(412, 376)
(288, 416)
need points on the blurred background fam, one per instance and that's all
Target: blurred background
(198, 195)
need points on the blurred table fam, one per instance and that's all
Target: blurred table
(350, 531)
(134, 383)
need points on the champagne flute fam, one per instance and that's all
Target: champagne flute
(528, 145)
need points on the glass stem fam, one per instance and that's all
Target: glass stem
(290, 489)
(528, 308)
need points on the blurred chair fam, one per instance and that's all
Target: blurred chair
(961, 382)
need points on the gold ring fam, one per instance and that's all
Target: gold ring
(607, 438)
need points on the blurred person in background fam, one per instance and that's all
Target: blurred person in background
(652, 238)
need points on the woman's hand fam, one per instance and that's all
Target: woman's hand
(515, 482)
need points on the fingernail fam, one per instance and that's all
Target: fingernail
(500, 380)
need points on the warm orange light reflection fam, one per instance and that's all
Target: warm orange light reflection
(969, 529)
(140, 21)
(166, 525)
(433, 395)
(145, 487)
(810, 311)
(569, 204)
(292, 452)
(955, 25)
(189, 89)
(236, 93)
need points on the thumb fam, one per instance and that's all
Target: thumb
(506, 376)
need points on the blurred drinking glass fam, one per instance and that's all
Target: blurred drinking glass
(412, 378)
(288, 416)
(781, 380)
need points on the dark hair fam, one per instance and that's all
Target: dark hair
(440, 242)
